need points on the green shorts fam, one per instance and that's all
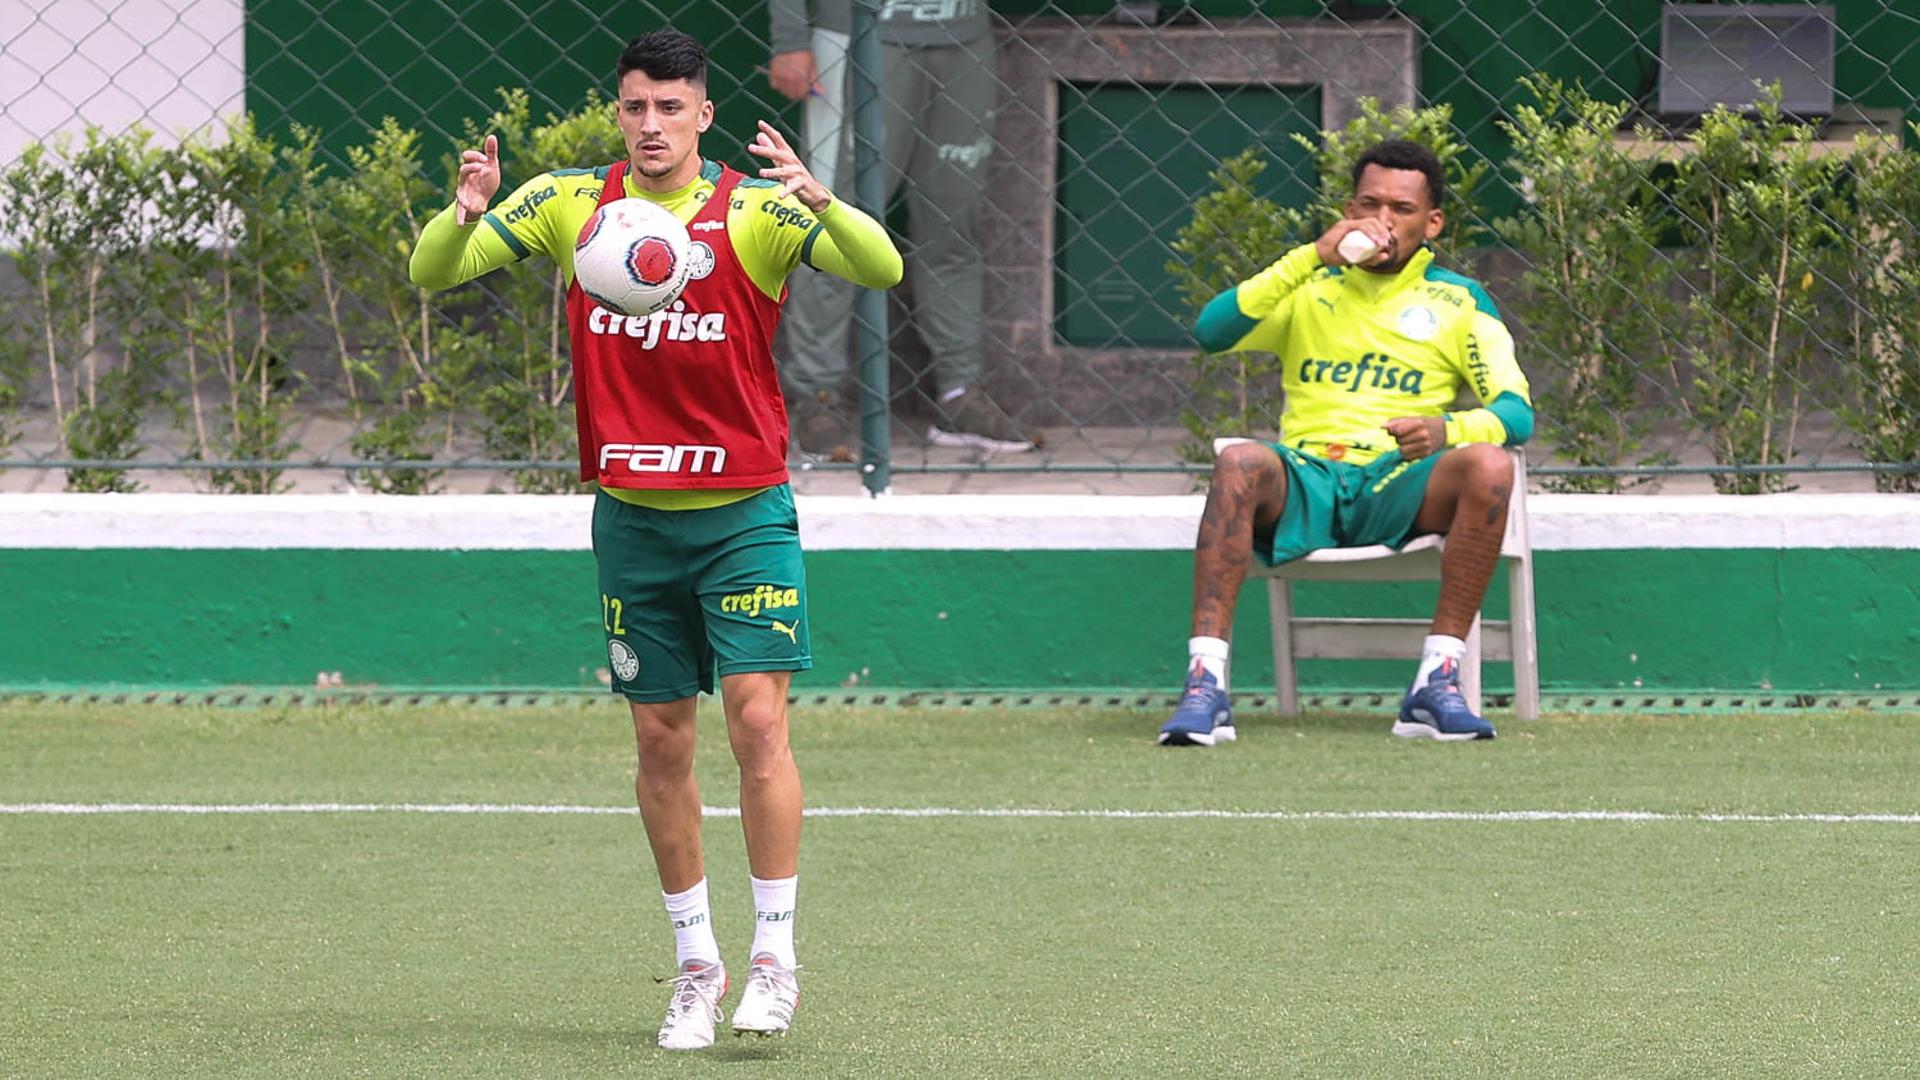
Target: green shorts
(1335, 504)
(684, 593)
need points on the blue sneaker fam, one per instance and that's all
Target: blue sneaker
(1439, 710)
(1205, 715)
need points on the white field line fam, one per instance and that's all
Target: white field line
(535, 809)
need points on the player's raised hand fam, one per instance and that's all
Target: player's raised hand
(784, 165)
(479, 179)
(1418, 436)
(1375, 230)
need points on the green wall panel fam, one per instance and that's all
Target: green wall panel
(279, 617)
(1674, 620)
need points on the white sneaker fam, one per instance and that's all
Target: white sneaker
(767, 1004)
(973, 419)
(694, 1008)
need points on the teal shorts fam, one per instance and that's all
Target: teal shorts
(686, 593)
(1335, 504)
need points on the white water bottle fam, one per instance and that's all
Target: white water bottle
(1357, 247)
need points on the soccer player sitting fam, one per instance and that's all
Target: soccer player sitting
(1373, 344)
(686, 437)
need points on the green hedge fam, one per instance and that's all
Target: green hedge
(1735, 283)
(1737, 289)
(182, 279)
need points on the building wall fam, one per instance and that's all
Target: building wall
(174, 67)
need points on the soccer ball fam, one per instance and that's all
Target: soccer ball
(633, 256)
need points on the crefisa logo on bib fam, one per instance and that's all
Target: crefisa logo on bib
(626, 662)
(1419, 323)
(699, 260)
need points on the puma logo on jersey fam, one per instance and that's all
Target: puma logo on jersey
(674, 324)
(792, 631)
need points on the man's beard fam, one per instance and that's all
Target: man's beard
(654, 170)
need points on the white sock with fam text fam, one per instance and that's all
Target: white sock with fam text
(1439, 649)
(692, 926)
(1212, 653)
(773, 919)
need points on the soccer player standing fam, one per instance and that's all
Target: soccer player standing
(1374, 341)
(694, 530)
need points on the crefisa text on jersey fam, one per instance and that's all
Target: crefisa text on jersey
(663, 457)
(673, 324)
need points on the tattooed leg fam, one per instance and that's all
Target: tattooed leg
(1467, 500)
(1248, 492)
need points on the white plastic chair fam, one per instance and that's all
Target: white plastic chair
(1298, 638)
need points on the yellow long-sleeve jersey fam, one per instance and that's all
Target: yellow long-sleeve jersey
(772, 233)
(1358, 349)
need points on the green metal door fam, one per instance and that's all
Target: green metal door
(1132, 161)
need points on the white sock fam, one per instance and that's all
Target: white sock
(692, 926)
(1439, 649)
(1212, 653)
(773, 919)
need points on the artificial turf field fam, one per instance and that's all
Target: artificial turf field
(386, 940)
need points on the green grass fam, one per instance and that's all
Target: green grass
(386, 944)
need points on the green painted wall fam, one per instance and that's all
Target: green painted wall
(341, 66)
(1675, 620)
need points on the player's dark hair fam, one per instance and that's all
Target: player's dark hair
(1401, 154)
(665, 55)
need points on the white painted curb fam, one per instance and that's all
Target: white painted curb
(907, 522)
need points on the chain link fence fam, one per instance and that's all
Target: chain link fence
(1695, 219)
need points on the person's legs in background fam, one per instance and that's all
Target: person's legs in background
(826, 114)
(945, 166)
(937, 113)
(819, 307)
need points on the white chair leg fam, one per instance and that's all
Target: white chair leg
(1526, 649)
(1286, 680)
(1470, 669)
